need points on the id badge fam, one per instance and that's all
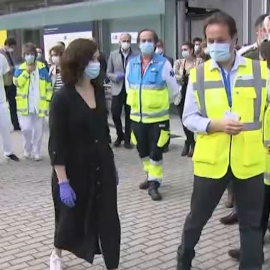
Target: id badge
(231, 115)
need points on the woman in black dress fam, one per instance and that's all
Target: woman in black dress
(84, 181)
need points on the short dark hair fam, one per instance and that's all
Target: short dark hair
(260, 19)
(58, 49)
(10, 42)
(155, 36)
(75, 58)
(197, 39)
(29, 48)
(221, 18)
(161, 42)
(189, 44)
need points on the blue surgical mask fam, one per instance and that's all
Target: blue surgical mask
(147, 48)
(185, 54)
(92, 70)
(219, 52)
(30, 58)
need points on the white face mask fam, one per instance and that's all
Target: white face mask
(159, 50)
(125, 46)
(56, 60)
(10, 50)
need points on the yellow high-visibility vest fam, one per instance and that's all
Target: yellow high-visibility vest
(245, 152)
(22, 81)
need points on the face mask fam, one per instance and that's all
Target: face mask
(219, 52)
(125, 46)
(206, 50)
(185, 54)
(30, 59)
(92, 70)
(10, 50)
(39, 56)
(147, 48)
(56, 60)
(159, 50)
(196, 48)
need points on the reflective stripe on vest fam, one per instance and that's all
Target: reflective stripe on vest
(257, 83)
(147, 86)
(151, 115)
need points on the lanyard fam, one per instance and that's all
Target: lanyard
(227, 84)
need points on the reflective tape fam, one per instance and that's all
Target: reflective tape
(200, 88)
(210, 85)
(42, 98)
(249, 82)
(22, 96)
(267, 176)
(147, 86)
(151, 115)
(256, 66)
(252, 126)
(156, 163)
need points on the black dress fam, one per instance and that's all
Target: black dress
(78, 140)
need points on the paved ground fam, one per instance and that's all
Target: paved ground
(150, 230)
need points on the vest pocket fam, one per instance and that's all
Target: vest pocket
(254, 152)
(206, 148)
(163, 138)
(154, 100)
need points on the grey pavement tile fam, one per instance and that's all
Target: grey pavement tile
(151, 231)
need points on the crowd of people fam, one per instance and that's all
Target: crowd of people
(222, 94)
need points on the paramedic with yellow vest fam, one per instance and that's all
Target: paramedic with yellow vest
(34, 92)
(151, 86)
(225, 105)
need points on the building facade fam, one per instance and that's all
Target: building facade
(175, 21)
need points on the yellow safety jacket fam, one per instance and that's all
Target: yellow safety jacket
(245, 152)
(22, 81)
(267, 145)
(148, 94)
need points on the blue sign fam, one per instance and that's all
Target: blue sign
(68, 28)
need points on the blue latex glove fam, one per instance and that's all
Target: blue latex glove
(67, 194)
(120, 76)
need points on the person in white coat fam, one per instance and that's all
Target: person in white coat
(5, 121)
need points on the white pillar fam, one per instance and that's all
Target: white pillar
(181, 23)
(246, 21)
(264, 6)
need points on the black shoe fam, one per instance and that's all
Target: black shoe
(235, 254)
(166, 149)
(144, 185)
(153, 191)
(118, 141)
(128, 145)
(191, 151)
(231, 219)
(185, 149)
(13, 157)
(180, 265)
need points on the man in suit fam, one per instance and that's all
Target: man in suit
(160, 50)
(116, 73)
